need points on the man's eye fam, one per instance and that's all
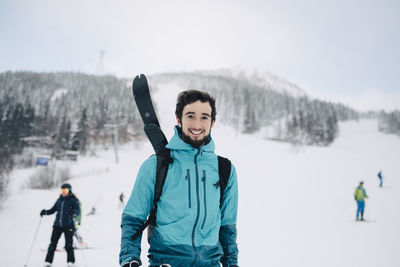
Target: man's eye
(190, 116)
(204, 118)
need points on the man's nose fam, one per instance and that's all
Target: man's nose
(197, 124)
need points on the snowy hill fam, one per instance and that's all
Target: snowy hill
(54, 106)
(265, 80)
(296, 205)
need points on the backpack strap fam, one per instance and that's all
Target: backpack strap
(224, 169)
(163, 161)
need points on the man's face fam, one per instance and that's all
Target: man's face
(64, 192)
(196, 123)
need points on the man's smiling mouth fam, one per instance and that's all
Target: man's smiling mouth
(196, 132)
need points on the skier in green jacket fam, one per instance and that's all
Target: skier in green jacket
(360, 195)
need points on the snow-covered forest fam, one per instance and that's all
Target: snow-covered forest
(64, 111)
(249, 104)
(389, 122)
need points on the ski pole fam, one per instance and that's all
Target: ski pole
(33, 242)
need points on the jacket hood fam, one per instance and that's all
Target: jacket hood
(176, 143)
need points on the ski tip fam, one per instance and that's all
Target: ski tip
(139, 79)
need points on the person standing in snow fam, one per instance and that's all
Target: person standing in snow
(360, 195)
(380, 178)
(121, 201)
(92, 211)
(192, 228)
(67, 208)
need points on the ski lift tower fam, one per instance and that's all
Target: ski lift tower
(115, 127)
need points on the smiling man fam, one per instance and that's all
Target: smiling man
(194, 225)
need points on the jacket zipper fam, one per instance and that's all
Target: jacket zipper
(189, 193)
(205, 198)
(198, 206)
(62, 210)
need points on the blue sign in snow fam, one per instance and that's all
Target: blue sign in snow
(42, 161)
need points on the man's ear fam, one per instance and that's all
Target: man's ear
(212, 124)
(178, 121)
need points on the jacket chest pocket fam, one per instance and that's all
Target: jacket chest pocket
(211, 194)
(189, 193)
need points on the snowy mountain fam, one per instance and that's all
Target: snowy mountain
(265, 80)
(248, 102)
(250, 106)
(73, 111)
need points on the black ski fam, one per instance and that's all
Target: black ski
(158, 140)
(141, 93)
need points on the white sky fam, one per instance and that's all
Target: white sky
(340, 50)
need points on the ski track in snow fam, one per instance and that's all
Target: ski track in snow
(296, 206)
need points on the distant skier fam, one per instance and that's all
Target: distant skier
(380, 178)
(67, 208)
(121, 200)
(92, 211)
(359, 196)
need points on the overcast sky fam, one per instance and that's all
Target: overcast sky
(340, 50)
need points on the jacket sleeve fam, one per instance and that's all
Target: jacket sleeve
(228, 232)
(365, 193)
(53, 209)
(136, 211)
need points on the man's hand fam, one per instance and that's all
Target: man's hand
(43, 212)
(131, 264)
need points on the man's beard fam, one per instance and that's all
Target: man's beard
(195, 143)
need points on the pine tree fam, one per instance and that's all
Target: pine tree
(67, 136)
(28, 120)
(80, 139)
(64, 134)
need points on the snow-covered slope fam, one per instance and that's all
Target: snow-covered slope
(262, 79)
(296, 205)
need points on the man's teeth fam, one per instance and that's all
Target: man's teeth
(196, 132)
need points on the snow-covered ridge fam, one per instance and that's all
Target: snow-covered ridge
(262, 79)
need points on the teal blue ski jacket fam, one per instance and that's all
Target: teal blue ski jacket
(192, 229)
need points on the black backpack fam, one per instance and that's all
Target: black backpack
(163, 161)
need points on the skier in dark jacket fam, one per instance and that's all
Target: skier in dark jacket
(67, 208)
(380, 178)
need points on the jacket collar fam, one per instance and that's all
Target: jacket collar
(176, 143)
(67, 196)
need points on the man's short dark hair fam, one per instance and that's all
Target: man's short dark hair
(190, 96)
